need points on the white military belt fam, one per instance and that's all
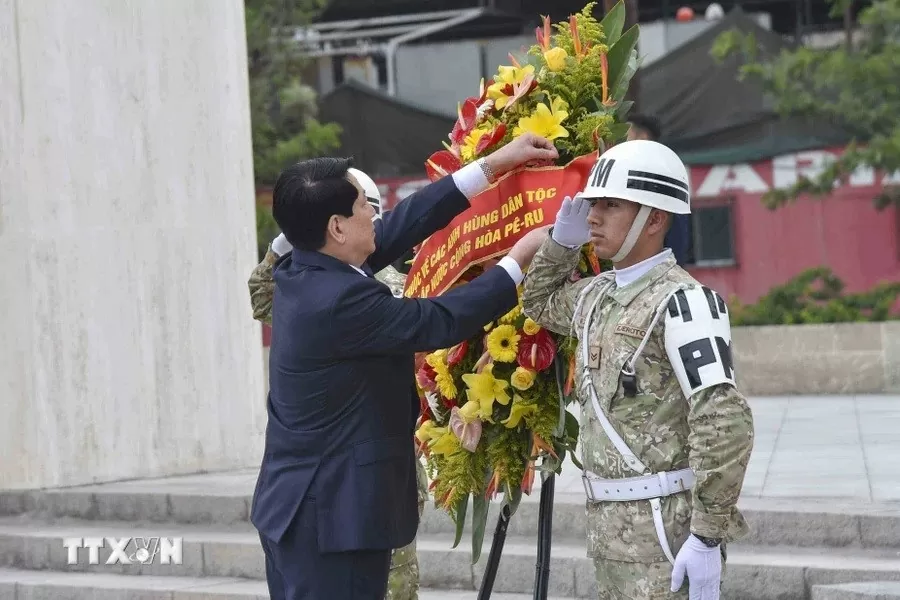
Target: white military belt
(645, 487)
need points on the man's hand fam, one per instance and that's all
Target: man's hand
(703, 566)
(525, 249)
(571, 228)
(524, 149)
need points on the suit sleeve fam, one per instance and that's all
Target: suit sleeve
(423, 213)
(367, 320)
(262, 287)
(548, 297)
(720, 442)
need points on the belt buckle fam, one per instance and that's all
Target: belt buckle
(588, 490)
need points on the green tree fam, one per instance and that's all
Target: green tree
(283, 109)
(855, 85)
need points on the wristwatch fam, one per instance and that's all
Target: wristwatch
(486, 169)
(710, 542)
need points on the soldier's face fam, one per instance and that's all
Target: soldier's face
(609, 221)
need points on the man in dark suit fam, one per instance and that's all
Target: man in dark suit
(337, 485)
(678, 238)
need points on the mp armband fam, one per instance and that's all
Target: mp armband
(698, 339)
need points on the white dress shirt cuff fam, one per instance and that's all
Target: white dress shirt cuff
(281, 246)
(471, 180)
(512, 267)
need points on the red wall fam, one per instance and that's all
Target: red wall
(843, 231)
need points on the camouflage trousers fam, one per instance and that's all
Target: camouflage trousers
(403, 581)
(618, 580)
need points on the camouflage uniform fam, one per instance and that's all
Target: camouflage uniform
(712, 432)
(403, 583)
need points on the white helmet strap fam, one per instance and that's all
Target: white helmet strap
(631, 239)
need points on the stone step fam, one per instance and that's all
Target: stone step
(872, 590)
(753, 573)
(193, 500)
(20, 584)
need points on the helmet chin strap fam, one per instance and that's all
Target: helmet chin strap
(631, 239)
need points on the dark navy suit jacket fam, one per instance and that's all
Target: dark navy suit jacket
(342, 403)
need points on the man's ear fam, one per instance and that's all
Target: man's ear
(659, 221)
(335, 229)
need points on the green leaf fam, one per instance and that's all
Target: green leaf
(623, 108)
(572, 426)
(613, 23)
(574, 457)
(480, 506)
(619, 130)
(619, 56)
(513, 498)
(461, 518)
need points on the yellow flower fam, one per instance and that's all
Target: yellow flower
(555, 59)
(522, 378)
(467, 150)
(530, 327)
(512, 315)
(503, 343)
(518, 411)
(544, 121)
(429, 431)
(484, 388)
(507, 77)
(447, 444)
(470, 411)
(443, 379)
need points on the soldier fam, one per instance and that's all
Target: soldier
(665, 434)
(403, 582)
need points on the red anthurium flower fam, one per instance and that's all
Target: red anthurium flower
(465, 122)
(442, 163)
(536, 352)
(457, 353)
(491, 138)
(425, 377)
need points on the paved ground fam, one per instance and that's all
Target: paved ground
(845, 447)
(834, 447)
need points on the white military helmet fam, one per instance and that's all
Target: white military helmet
(369, 189)
(645, 172)
(642, 171)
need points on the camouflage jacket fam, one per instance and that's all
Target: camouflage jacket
(712, 431)
(262, 291)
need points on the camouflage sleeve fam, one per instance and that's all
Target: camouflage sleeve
(392, 278)
(262, 288)
(720, 441)
(548, 297)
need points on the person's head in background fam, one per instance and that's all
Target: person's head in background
(643, 127)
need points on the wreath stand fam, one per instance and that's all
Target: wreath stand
(545, 524)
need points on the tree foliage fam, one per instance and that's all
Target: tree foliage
(817, 296)
(854, 86)
(283, 109)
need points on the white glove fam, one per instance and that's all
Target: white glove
(703, 566)
(571, 228)
(281, 246)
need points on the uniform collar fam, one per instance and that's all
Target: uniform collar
(625, 294)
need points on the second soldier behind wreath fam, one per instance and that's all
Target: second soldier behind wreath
(665, 434)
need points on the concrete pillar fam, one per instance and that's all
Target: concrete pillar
(127, 234)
